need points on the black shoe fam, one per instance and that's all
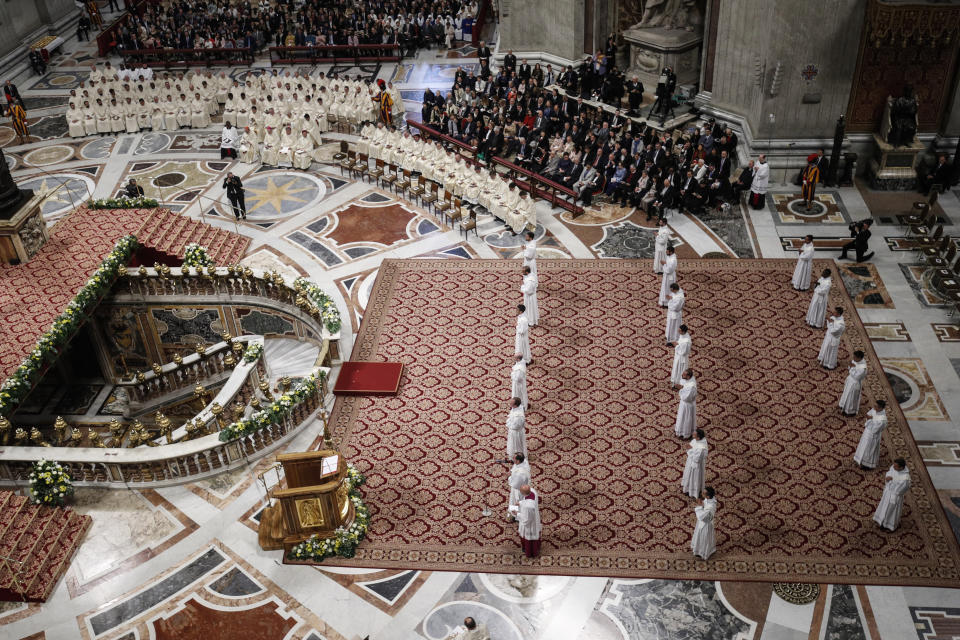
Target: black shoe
(866, 257)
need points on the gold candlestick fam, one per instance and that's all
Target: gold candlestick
(60, 428)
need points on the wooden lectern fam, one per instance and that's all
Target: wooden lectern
(315, 501)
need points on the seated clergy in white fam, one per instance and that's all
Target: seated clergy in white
(144, 119)
(704, 542)
(681, 356)
(170, 111)
(248, 147)
(157, 115)
(530, 252)
(687, 409)
(817, 312)
(518, 381)
(75, 121)
(831, 340)
(287, 143)
(199, 116)
(887, 515)
(695, 468)
(867, 454)
(89, 119)
(303, 153)
(117, 117)
(850, 398)
(669, 275)
(130, 122)
(271, 147)
(528, 522)
(529, 290)
(660, 246)
(527, 210)
(676, 300)
(521, 343)
(519, 476)
(801, 274)
(516, 429)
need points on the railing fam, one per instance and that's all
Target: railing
(434, 133)
(188, 57)
(335, 53)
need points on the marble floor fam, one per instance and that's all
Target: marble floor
(184, 562)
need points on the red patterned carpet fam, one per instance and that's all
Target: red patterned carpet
(793, 506)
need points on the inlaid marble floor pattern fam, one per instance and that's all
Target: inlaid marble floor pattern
(183, 562)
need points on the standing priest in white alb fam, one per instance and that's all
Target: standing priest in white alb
(530, 253)
(850, 398)
(695, 468)
(518, 382)
(681, 356)
(529, 291)
(528, 522)
(817, 312)
(888, 511)
(687, 411)
(516, 430)
(704, 541)
(801, 274)
(660, 246)
(521, 343)
(867, 454)
(669, 275)
(674, 313)
(519, 476)
(831, 340)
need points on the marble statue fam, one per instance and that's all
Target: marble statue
(900, 123)
(671, 14)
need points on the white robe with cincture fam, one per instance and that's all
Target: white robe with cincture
(528, 518)
(681, 354)
(530, 256)
(519, 476)
(801, 274)
(516, 433)
(529, 291)
(521, 343)
(704, 542)
(850, 398)
(817, 313)
(868, 449)
(687, 410)
(669, 277)
(518, 382)
(831, 342)
(660, 248)
(888, 511)
(675, 315)
(695, 468)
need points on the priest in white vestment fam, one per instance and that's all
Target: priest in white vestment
(888, 511)
(801, 274)
(287, 144)
(130, 122)
(852, 386)
(669, 265)
(695, 468)
(527, 210)
(704, 542)
(529, 291)
(75, 122)
(518, 382)
(303, 153)
(867, 454)
(199, 113)
(519, 476)
(836, 325)
(817, 312)
(521, 343)
(271, 147)
(660, 246)
(516, 429)
(144, 121)
(674, 313)
(248, 147)
(157, 115)
(530, 253)
(528, 522)
(687, 409)
(89, 119)
(117, 117)
(681, 356)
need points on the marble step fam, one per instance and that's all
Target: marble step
(289, 357)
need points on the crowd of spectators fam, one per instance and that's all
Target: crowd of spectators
(184, 24)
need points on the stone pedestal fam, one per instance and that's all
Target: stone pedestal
(653, 49)
(894, 168)
(23, 233)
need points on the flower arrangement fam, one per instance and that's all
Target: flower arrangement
(328, 310)
(274, 412)
(50, 483)
(344, 541)
(196, 255)
(17, 386)
(123, 203)
(253, 352)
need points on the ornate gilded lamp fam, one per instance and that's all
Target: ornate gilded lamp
(21, 437)
(217, 412)
(230, 360)
(201, 394)
(60, 428)
(238, 410)
(95, 440)
(36, 438)
(157, 369)
(201, 349)
(5, 427)
(265, 390)
(177, 359)
(116, 432)
(285, 383)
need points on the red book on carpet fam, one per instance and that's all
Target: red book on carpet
(369, 379)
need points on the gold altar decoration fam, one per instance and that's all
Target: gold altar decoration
(42, 42)
(20, 436)
(116, 433)
(60, 428)
(265, 390)
(201, 349)
(201, 394)
(4, 429)
(906, 25)
(157, 369)
(230, 361)
(95, 440)
(217, 412)
(177, 359)
(37, 438)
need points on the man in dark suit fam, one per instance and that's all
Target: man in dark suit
(723, 166)
(666, 199)
(744, 181)
(860, 232)
(483, 52)
(235, 194)
(635, 94)
(940, 175)
(524, 71)
(823, 165)
(510, 61)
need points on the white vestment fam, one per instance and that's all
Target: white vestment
(695, 468)
(528, 518)
(530, 256)
(801, 274)
(660, 248)
(761, 178)
(681, 354)
(516, 433)
(704, 541)
(518, 382)
(850, 398)
(228, 138)
(675, 315)
(521, 343)
(817, 312)
(831, 342)
(868, 449)
(529, 291)
(687, 411)
(669, 277)
(888, 511)
(519, 476)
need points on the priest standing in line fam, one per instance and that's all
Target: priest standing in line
(518, 382)
(519, 476)
(704, 542)
(867, 454)
(521, 342)
(887, 515)
(801, 274)
(817, 312)
(681, 356)
(530, 253)
(687, 410)
(669, 265)
(528, 519)
(529, 291)
(674, 313)
(660, 246)
(850, 398)
(836, 325)
(695, 468)
(516, 429)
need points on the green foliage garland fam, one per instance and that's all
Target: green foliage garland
(344, 541)
(328, 310)
(253, 352)
(123, 203)
(274, 412)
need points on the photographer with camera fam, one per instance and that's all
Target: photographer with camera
(666, 85)
(860, 232)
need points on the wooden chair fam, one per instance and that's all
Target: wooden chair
(443, 204)
(944, 260)
(470, 224)
(362, 166)
(389, 176)
(936, 249)
(456, 212)
(927, 241)
(429, 196)
(348, 162)
(344, 147)
(924, 227)
(377, 172)
(403, 181)
(416, 188)
(944, 275)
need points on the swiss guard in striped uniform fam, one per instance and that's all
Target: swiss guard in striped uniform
(810, 177)
(18, 119)
(385, 102)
